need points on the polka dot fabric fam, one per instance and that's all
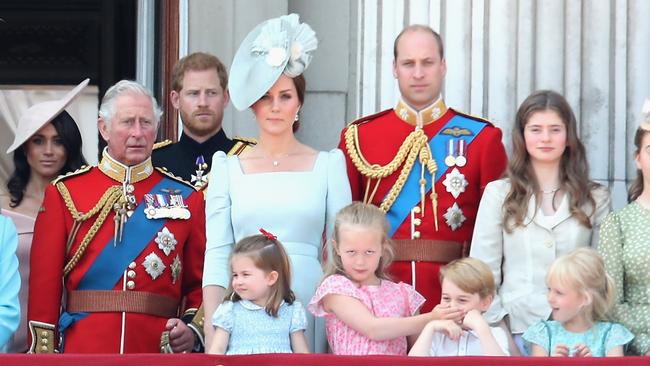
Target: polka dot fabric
(625, 247)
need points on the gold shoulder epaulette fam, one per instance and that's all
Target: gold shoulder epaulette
(172, 176)
(241, 144)
(369, 118)
(250, 140)
(161, 144)
(83, 169)
(471, 116)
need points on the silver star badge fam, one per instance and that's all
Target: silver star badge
(455, 182)
(454, 217)
(153, 265)
(166, 241)
(176, 268)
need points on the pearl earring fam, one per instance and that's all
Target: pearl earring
(297, 118)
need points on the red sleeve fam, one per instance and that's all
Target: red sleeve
(493, 159)
(47, 261)
(353, 174)
(194, 252)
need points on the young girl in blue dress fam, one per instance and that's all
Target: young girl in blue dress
(580, 294)
(260, 313)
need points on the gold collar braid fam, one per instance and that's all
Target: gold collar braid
(416, 145)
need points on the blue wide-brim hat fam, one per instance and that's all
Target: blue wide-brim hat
(275, 46)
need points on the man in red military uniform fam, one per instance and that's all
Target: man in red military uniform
(123, 242)
(424, 164)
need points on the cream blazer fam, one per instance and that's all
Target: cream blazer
(520, 260)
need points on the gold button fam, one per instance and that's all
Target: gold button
(43, 334)
(417, 209)
(131, 274)
(416, 235)
(130, 285)
(44, 340)
(43, 348)
(132, 265)
(417, 222)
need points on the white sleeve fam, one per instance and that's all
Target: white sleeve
(218, 222)
(487, 240)
(338, 190)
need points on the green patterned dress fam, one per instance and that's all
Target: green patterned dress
(625, 246)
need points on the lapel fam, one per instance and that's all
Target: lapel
(550, 223)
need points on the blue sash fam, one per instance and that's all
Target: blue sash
(109, 265)
(409, 197)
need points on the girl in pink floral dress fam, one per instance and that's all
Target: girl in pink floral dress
(365, 313)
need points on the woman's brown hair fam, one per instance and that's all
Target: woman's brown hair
(268, 254)
(636, 188)
(574, 169)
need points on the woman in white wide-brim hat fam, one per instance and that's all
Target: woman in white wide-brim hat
(47, 143)
(281, 185)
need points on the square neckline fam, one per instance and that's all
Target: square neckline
(310, 171)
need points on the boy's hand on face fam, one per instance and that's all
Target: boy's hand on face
(449, 327)
(446, 312)
(474, 320)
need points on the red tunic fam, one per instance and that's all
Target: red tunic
(380, 137)
(100, 332)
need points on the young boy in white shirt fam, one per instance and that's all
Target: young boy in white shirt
(468, 285)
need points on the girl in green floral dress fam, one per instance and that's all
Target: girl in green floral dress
(625, 246)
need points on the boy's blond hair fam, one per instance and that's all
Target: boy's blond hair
(470, 275)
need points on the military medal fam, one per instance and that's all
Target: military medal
(200, 179)
(450, 160)
(454, 217)
(176, 269)
(455, 182)
(165, 206)
(153, 265)
(166, 241)
(461, 160)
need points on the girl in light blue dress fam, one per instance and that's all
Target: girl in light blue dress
(580, 294)
(262, 314)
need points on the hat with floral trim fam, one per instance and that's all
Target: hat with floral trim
(275, 46)
(38, 115)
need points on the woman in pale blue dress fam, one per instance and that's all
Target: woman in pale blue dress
(281, 184)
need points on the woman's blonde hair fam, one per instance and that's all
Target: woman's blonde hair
(365, 215)
(267, 254)
(470, 275)
(584, 270)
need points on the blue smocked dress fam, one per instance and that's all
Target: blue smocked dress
(602, 337)
(298, 207)
(252, 330)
